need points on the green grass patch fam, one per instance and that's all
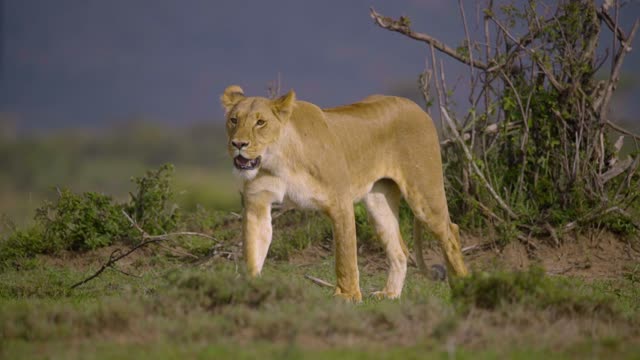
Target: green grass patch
(532, 288)
(215, 310)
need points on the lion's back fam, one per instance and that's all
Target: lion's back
(380, 119)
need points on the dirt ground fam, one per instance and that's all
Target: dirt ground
(589, 258)
(596, 257)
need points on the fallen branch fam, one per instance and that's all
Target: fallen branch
(177, 252)
(318, 281)
(477, 247)
(147, 239)
(599, 212)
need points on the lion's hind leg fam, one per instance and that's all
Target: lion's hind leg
(382, 204)
(429, 205)
(448, 236)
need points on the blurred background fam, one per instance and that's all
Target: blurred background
(93, 92)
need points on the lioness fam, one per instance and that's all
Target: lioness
(377, 150)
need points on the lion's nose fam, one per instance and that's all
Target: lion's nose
(240, 144)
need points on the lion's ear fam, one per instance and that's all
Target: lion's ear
(231, 96)
(284, 104)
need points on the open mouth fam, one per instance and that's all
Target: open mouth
(242, 163)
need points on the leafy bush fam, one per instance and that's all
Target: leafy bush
(91, 220)
(23, 243)
(81, 221)
(149, 205)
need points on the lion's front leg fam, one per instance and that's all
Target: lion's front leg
(256, 226)
(344, 234)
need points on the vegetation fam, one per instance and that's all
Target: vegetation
(91, 220)
(536, 154)
(530, 288)
(190, 296)
(212, 308)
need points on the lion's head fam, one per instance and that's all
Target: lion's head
(253, 124)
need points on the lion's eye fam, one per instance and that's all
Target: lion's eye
(260, 122)
(233, 121)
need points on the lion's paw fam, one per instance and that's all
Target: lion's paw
(354, 297)
(384, 294)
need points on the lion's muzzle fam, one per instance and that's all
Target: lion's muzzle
(242, 163)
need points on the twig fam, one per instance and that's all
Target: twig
(622, 130)
(477, 247)
(560, 271)
(604, 16)
(117, 254)
(436, 81)
(527, 241)
(146, 236)
(469, 49)
(111, 261)
(319, 282)
(124, 272)
(553, 233)
(592, 215)
(481, 176)
(177, 252)
(278, 213)
(547, 72)
(615, 71)
(397, 26)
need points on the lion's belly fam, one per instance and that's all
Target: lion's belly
(311, 197)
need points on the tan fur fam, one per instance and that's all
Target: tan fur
(376, 151)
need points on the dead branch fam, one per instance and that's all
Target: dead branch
(477, 247)
(615, 71)
(599, 212)
(468, 37)
(436, 81)
(603, 15)
(147, 239)
(552, 233)
(274, 87)
(125, 273)
(402, 27)
(318, 281)
(477, 170)
(177, 252)
(616, 170)
(622, 130)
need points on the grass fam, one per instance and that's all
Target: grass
(178, 309)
